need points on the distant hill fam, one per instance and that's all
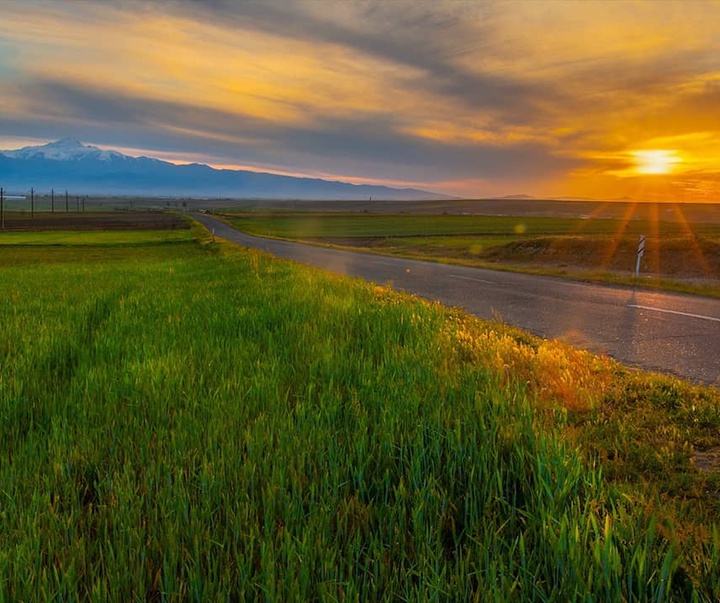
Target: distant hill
(545, 198)
(520, 197)
(68, 164)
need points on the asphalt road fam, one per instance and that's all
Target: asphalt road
(665, 332)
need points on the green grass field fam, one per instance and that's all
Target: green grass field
(186, 420)
(88, 248)
(314, 225)
(679, 256)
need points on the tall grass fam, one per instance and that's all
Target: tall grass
(212, 424)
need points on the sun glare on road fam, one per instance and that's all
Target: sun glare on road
(656, 161)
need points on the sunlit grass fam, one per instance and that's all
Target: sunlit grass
(87, 247)
(692, 240)
(613, 242)
(199, 422)
(105, 238)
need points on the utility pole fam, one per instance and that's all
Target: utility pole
(77, 203)
(84, 204)
(2, 208)
(67, 208)
(32, 202)
(52, 201)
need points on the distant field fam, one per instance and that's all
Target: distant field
(311, 224)
(89, 246)
(186, 420)
(92, 237)
(92, 220)
(678, 254)
(694, 213)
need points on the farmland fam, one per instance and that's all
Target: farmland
(16, 221)
(185, 419)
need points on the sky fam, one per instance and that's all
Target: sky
(607, 99)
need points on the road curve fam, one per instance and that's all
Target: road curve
(666, 332)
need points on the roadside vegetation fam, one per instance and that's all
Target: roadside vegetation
(184, 419)
(679, 256)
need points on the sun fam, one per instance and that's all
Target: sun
(655, 161)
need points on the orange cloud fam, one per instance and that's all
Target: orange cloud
(558, 95)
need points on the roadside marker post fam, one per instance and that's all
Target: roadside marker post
(640, 252)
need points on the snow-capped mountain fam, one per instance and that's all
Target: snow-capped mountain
(68, 164)
(65, 149)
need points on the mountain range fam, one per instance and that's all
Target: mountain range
(68, 164)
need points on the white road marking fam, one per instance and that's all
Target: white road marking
(471, 278)
(674, 312)
(383, 263)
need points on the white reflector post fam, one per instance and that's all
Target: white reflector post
(641, 251)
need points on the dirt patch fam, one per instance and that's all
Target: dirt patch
(146, 220)
(707, 461)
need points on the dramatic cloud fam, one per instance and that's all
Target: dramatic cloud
(466, 97)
